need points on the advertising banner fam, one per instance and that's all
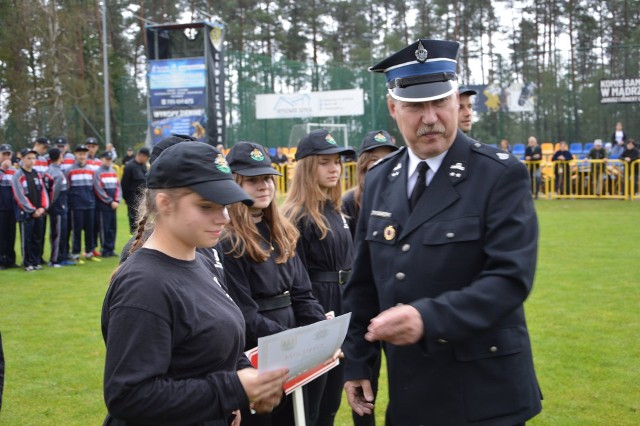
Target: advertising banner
(177, 97)
(517, 97)
(619, 90)
(329, 103)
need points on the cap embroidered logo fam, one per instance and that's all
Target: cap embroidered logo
(330, 139)
(221, 164)
(256, 155)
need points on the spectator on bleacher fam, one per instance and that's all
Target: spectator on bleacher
(505, 146)
(280, 157)
(629, 155)
(619, 137)
(562, 170)
(597, 168)
(533, 155)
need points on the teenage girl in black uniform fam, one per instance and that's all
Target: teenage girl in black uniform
(174, 338)
(325, 247)
(375, 145)
(265, 278)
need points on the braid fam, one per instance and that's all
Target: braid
(137, 243)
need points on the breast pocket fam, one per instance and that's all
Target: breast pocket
(451, 231)
(382, 230)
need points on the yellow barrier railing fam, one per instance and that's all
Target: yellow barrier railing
(612, 179)
(348, 180)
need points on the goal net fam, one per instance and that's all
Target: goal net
(338, 131)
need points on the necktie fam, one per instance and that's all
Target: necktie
(421, 183)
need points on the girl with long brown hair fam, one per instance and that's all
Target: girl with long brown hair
(325, 246)
(265, 277)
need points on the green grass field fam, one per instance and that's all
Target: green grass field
(583, 315)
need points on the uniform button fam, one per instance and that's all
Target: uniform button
(400, 276)
(375, 233)
(450, 235)
(477, 144)
(442, 341)
(406, 247)
(493, 349)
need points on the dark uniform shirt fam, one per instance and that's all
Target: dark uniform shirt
(350, 210)
(333, 253)
(133, 180)
(174, 343)
(249, 281)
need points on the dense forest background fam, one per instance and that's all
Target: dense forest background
(51, 71)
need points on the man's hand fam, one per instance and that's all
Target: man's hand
(360, 396)
(400, 325)
(114, 205)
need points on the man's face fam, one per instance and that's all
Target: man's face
(40, 148)
(428, 128)
(532, 141)
(92, 149)
(142, 158)
(465, 114)
(5, 156)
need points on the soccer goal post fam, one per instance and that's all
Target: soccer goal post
(338, 131)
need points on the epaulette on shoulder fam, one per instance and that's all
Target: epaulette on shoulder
(388, 157)
(494, 153)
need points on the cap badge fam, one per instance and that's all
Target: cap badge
(221, 164)
(256, 155)
(389, 233)
(421, 53)
(330, 139)
(380, 138)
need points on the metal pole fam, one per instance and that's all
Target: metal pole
(373, 107)
(105, 75)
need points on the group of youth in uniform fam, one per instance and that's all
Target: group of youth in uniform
(433, 253)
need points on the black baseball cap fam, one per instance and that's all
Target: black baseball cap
(144, 151)
(60, 141)
(81, 147)
(26, 151)
(91, 141)
(320, 142)
(200, 167)
(166, 143)
(423, 71)
(5, 147)
(107, 154)
(250, 159)
(466, 90)
(43, 141)
(376, 139)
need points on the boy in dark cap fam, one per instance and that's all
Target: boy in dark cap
(109, 194)
(445, 257)
(465, 115)
(133, 181)
(32, 203)
(41, 147)
(82, 202)
(7, 207)
(67, 157)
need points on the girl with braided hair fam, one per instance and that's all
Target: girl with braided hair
(174, 337)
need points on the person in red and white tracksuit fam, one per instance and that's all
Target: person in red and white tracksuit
(32, 203)
(7, 210)
(109, 195)
(82, 203)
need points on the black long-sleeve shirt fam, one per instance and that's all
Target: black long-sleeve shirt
(174, 342)
(133, 180)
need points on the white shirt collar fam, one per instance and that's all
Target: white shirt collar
(434, 163)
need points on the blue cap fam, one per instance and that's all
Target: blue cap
(466, 90)
(422, 71)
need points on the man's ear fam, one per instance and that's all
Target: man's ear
(391, 105)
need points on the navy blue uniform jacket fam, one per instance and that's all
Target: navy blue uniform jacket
(465, 259)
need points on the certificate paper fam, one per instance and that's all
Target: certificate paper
(303, 348)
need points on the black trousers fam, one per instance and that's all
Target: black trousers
(32, 235)
(107, 226)
(7, 237)
(132, 212)
(82, 220)
(324, 395)
(58, 236)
